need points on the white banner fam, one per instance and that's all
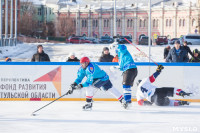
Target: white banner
(52, 81)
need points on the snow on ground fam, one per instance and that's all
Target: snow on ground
(60, 52)
(106, 117)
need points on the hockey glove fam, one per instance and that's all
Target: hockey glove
(113, 46)
(79, 86)
(147, 103)
(159, 68)
(72, 88)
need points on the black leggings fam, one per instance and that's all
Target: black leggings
(161, 95)
(129, 76)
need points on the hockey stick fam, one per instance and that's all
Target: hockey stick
(140, 51)
(33, 114)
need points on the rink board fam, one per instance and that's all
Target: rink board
(39, 81)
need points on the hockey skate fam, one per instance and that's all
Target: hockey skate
(182, 93)
(124, 103)
(87, 106)
(183, 103)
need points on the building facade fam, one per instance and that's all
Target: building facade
(96, 18)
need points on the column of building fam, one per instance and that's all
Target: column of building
(89, 23)
(100, 21)
(135, 26)
(189, 18)
(78, 21)
(175, 20)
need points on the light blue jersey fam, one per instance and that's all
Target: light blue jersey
(92, 72)
(125, 59)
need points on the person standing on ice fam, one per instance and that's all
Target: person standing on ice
(159, 96)
(127, 65)
(96, 78)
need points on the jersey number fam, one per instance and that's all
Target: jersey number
(143, 90)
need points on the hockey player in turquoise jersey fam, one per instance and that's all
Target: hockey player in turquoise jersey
(96, 78)
(127, 65)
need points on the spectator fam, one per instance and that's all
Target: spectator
(115, 59)
(177, 54)
(72, 58)
(196, 57)
(187, 49)
(106, 57)
(40, 56)
(7, 59)
(166, 51)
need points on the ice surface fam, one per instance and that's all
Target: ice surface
(106, 117)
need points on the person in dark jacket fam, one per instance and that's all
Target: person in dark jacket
(166, 51)
(177, 54)
(196, 57)
(106, 57)
(72, 58)
(187, 49)
(40, 56)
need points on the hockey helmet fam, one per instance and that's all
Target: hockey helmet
(85, 59)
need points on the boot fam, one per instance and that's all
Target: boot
(183, 103)
(87, 106)
(182, 93)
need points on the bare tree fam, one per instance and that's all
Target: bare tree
(28, 24)
(65, 25)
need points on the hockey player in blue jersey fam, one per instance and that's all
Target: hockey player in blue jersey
(96, 78)
(127, 65)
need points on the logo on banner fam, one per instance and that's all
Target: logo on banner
(53, 76)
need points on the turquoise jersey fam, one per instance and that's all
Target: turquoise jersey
(125, 59)
(92, 72)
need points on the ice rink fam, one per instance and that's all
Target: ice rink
(106, 117)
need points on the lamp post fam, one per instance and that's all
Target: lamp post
(149, 33)
(15, 22)
(115, 19)
(1, 21)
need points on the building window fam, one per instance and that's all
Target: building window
(119, 23)
(74, 23)
(107, 23)
(93, 23)
(183, 22)
(39, 11)
(104, 23)
(49, 10)
(166, 22)
(193, 22)
(85, 23)
(128, 23)
(131, 23)
(96, 23)
(82, 23)
(180, 21)
(140, 23)
(144, 23)
(157, 23)
(154, 23)
(170, 22)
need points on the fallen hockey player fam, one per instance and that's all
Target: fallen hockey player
(96, 78)
(159, 96)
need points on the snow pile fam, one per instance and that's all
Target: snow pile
(60, 52)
